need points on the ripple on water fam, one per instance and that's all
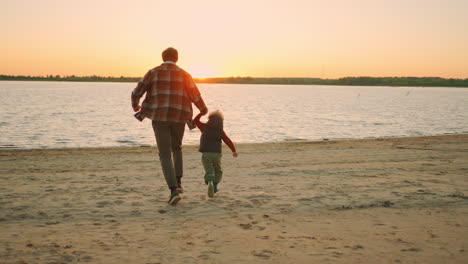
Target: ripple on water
(127, 140)
(8, 146)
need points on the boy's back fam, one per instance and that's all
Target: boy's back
(210, 146)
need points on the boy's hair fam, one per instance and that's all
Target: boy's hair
(216, 113)
(170, 54)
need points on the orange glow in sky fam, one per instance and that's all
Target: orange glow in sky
(258, 38)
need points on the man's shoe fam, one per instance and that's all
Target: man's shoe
(179, 188)
(210, 189)
(216, 188)
(179, 185)
(174, 199)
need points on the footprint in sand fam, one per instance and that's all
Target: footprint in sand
(119, 201)
(246, 226)
(411, 250)
(68, 258)
(103, 204)
(252, 225)
(355, 247)
(264, 254)
(136, 213)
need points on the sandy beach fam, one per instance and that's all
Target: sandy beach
(392, 200)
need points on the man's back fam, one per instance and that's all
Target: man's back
(169, 93)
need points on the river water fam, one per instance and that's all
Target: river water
(84, 114)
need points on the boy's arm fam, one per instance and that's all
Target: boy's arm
(228, 142)
(197, 122)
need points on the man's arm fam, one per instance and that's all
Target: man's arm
(139, 91)
(228, 142)
(194, 94)
(197, 122)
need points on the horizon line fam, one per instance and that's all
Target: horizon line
(228, 77)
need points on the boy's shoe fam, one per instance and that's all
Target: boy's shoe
(174, 199)
(216, 188)
(210, 189)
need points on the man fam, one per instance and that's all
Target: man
(170, 92)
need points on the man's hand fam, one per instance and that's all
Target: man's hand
(234, 154)
(136, 108)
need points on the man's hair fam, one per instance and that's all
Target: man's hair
(170, 54)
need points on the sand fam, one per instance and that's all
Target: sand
(393, 200)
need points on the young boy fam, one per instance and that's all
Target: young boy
(210, 146)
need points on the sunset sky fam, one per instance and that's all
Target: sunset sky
(216, 38)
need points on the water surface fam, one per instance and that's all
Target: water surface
(79, 114)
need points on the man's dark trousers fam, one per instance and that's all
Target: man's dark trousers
(169, 137)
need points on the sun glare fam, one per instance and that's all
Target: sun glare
(201, 71)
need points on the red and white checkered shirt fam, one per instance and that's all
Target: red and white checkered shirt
(170, 92)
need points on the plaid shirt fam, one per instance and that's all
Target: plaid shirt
(170, 92)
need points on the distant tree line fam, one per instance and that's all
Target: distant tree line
(356, 81)
(69, 78)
